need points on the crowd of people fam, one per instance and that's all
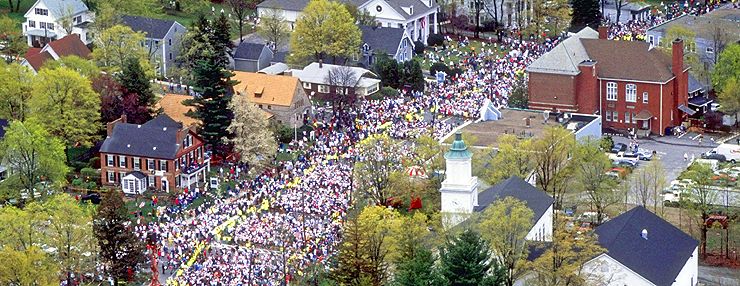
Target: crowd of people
(636, 29)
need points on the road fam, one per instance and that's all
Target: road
(716, 276)
(671, 151)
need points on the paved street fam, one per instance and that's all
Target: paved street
(671, 151)
(716, 276)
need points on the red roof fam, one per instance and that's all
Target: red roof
(32, 52)
(70, 45)
(37, 60)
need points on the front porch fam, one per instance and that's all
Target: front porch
(193, 174)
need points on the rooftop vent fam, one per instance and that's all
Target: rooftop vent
(154, 148)
(164, 128)
(138, 126)
(644, 234)
(128, 145)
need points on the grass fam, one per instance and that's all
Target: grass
(453, 57)
(17, 16)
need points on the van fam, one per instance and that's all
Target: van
(730, 151)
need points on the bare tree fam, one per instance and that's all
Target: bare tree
(618, 4)
(551, 158)
(701, 196)
(273, 28)
(253, 140)
(241, 9)
(591, 165)
(719, 39)
(342, 81)
(647, 184)
(66, 21)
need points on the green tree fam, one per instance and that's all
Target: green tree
(325, 29)
(136, 81)
(253, 140)
(725, 71)
(551, 158)
(466, 261)
(513, 158)
(729, 97)
(505, 224)
(16, 82)
(241, 9)
(585, 13)
(32, 156)
(115, 44)
(82, 66)
(591, 166)
(220, 39)
(361, 16)
(372, 174)
(701, 196)
(353, 259)
(418, 270)
(120, 250)
(22, 228)
(562, 264)
(413, 75)
(29, 267)
(12, 42)
(519, 94)
(274, 28)
(691, 57)
(70, 232)
(65, 103)
(388, 70)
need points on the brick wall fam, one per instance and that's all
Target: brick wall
(548, 91)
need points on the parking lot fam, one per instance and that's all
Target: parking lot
(671, 151)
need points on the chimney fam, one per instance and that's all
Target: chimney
(321, 63)
(109, 127)
(677, 61)
(603, 32)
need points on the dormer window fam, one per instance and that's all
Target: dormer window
(43, 12)
(366, 47)
(258, 91)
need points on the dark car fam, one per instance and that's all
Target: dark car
(92, 197)
(714, 156)
(619, 147)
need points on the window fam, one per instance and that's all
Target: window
(31, 24)
(630, 92)
(150, 181)
(323, 88)
(137, 163)
(122, 161)
(163, 165)
(169, 42)
(111, 177)
(50, 26)
(42, 25)
(156, 42)
(260, 106)
(150, 164)
(110, 160)
(651, 40)
(710, 50)
(40, 11)
(633, 118)
(644, 97)
(615, 116)
(170, 56)
(307, 85)
(78, 19)
(269, 107)
(611, 91)
(626, 117)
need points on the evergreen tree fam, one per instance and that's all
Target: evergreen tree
(466, 261)
(413, 75)
(353, 261)
(388, 70)
(220, 39)
(418, 270)
(135, 81)
(121, 251)
(585, 13)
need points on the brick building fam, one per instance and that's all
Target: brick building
(627, 82)
(160, 154)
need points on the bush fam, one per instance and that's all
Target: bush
(77, 182)
(437, 67)
(92, 185)
(419, 47)
(88, 172)
(435, 40)
(387, 91)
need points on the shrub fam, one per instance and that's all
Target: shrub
(419, 47)
(387, 91)
(435, 40)
(89, 172)
(437, 67)
(77, 182)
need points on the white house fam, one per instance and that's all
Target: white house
(48, 20)
(460, 196)
(509, 13)
(315, 79)
(417, 17)
(163, 39)
(644, 250)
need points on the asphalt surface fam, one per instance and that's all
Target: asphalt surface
(717, 276)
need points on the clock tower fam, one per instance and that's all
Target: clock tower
(459, 189)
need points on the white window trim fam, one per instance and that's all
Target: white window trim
(137, 163)
(111, 177)
(645, 97)
(323, 88)
(611, 91)
(110, 161)
(630, 92)
(307, 85)
(122, 161)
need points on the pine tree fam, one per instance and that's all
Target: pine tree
(413, 75)
(120, 250)
(220, 39)
(418, 270)
(585, 13)
(134, 80)
(353, 261)
(466, 261)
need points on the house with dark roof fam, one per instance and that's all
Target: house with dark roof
(394, 42)
(70, 45)
(417, 17)
(159, 154)
(630, 84)
(49, 20)
(643, 249)
(163, 40)
(252, 57)
(460, 197)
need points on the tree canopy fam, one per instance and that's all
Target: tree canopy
(324, 29)
(253, 140)
(117, 43)
(16, 82)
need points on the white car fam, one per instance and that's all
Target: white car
(622, 157)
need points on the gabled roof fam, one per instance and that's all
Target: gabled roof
(248, 51)
(565, 57)
(58, 8)
(538, 201)
(659, 258)
(382, 38)
(156, 138)
(172, 105)
(37, 61)
(314, 74)
(70, 45)
(298, 5)
(631, 60)
(419, 7)
(267, 89)
(153, 28)
(704, 25)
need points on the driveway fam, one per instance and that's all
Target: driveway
(717, 276)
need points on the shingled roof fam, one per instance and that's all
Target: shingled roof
(538, 201)
(385, 39)
(70, 45)
(248, 51)
(659, 258)
(156, 138)
(153, 28)
(632, 60)
(566, 56)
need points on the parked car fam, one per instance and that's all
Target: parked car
(645, 155)
(618, 147)
(730, 151)
(623, 157)
(712, 155)
(93, 197)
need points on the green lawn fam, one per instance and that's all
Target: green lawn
(454, 48)
(18, 16)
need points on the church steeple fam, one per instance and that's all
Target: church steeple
(459, 149)
(459, 189)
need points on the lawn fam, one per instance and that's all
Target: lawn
(18, 16)
(453, 53)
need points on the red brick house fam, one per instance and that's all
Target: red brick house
(630, 84)
(159, 154)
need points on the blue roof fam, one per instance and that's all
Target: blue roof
(536, 200)
(153, 28)
(249, 51)
(660, 257)
(156, 138)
